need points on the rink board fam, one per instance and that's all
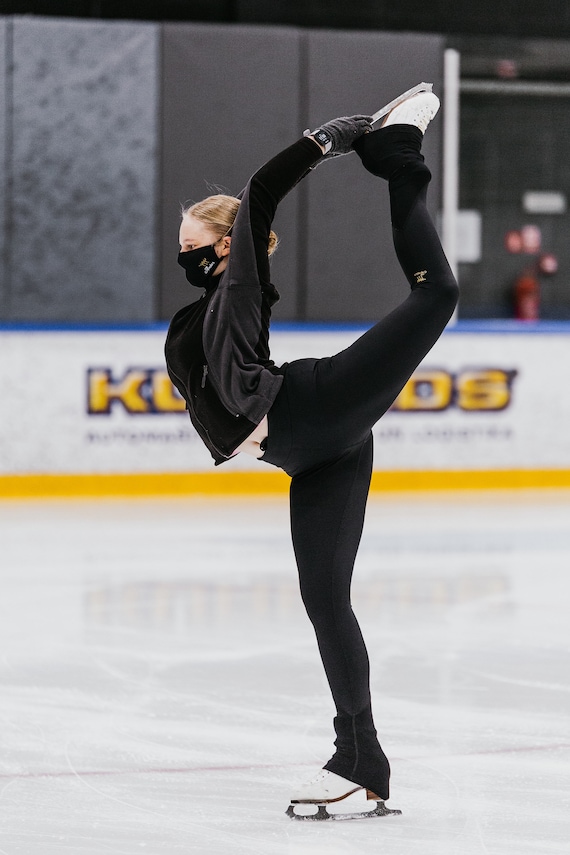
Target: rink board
(93, 411)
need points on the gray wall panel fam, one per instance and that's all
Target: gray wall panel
(352, 272)
(230, 102)
(83, 200)
(3, 168)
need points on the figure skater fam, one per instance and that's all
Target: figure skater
(313, 417)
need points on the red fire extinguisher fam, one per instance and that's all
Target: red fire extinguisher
(527, 297)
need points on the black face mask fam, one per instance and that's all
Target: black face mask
(199, 265)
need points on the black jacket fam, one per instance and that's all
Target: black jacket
(217, 349)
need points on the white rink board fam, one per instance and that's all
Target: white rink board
(46, 426)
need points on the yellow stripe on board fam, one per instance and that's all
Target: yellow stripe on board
(251, 483)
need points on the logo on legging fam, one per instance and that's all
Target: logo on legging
(420, 276)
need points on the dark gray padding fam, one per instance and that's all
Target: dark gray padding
(230, 101)
(352, 272)
(82, 206)
(4, 282)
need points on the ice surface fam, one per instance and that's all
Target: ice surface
(162, 692)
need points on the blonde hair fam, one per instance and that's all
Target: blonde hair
(218, 213)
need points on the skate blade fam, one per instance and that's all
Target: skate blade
(421, 87)
(322, 814)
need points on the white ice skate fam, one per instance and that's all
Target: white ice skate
(405, 96)
(327, 788)
(418, 110)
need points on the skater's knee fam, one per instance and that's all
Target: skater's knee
(442, 288)
(319, 605)
(448, 290)
(325, 606)
(451, 291)
(447, 296)
(438, 296)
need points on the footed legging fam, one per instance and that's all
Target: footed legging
(320, 434)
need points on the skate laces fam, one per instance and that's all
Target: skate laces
(424, 117)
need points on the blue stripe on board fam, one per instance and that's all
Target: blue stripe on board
(154, 326)
(464, 326)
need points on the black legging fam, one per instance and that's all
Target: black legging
(320, 434)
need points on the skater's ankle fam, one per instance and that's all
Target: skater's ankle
(386, 150)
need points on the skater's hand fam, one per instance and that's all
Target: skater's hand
(337, 136)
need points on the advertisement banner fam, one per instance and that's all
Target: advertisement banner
(102, 402)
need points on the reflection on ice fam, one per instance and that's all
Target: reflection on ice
(183, 607)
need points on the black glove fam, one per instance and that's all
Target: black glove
(338, 135)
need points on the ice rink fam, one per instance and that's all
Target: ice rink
(162, 691)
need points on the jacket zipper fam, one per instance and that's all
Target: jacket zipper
(204, 428)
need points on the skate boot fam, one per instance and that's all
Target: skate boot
(387, 108)
(398, 142)
(418, 111)
(357, 764)
(359, 756)
(327, 788)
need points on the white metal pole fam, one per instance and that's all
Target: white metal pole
(451, 78)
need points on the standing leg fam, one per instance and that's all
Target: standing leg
(327, 515)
